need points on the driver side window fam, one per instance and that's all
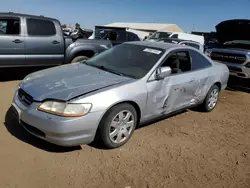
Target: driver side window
(179, 62)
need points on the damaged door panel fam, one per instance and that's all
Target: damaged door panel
(171, 94)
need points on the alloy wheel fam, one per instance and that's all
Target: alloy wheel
(121, 126)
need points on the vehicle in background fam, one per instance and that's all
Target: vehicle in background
(107, 96)
(80, 33)
(116, 35)
(210, 39)
(187, 36)
(176, 35)
(39, 41)
(193, 44)
(66, 31)
(234, 50)
(158, 35)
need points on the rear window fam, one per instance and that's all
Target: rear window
(38, 27)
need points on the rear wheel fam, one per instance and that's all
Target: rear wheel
(211, 99)
(118, 125)
(79, 58)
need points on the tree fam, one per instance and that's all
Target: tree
(64, 26)
(77, 25)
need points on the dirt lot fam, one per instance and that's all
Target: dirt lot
(192, 149)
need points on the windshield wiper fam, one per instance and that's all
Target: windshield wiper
(110, 70)
(105, 69)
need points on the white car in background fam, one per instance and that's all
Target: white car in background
(193, 44)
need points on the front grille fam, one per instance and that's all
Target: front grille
(234, 69)
(24, 97)
(32, 129)
(228, 57)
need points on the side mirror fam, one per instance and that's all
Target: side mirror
(162, 72)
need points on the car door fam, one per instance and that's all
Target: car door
(176, 91)
(44, 42)
(12, 51)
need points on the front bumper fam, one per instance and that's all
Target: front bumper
(64, 131)
(237, 70)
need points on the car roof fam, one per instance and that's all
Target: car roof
(11, 14)
(153, 44)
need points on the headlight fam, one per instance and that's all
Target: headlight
(65, 109)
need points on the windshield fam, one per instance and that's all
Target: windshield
(129, 60)
(100, 33)
(158, 35)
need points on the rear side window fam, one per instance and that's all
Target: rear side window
(198, 61)
(9, 26)
(37, 27)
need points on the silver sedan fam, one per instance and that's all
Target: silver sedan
(107, 96)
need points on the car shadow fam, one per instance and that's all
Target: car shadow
(237, 84)
(16, 130)
(161, 118)
(238, 88)
(11, 74)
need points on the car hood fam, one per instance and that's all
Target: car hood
(68, 81)
(230, 30)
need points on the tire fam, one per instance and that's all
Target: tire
(79, 58)
(211, 100)
(113, 134)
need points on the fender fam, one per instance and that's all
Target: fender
(71, 51)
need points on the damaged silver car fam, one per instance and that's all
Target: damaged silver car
(107, 96)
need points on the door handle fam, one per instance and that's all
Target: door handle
(17, 41)
(55, 42)
(192, 80)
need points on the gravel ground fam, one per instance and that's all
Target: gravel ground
(191, 149)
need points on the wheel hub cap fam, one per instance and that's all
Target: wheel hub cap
(121, 126)
(213, 98)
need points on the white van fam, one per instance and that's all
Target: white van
(187, 36)
(177, 35)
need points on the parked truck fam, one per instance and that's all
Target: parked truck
(234, 49)
(30, 40)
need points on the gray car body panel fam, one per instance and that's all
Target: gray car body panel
(68, 81)
(153, 98)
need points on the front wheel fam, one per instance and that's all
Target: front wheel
(79, 58)
(211, 99)
(118, 125)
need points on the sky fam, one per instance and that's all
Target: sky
(198, 15)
